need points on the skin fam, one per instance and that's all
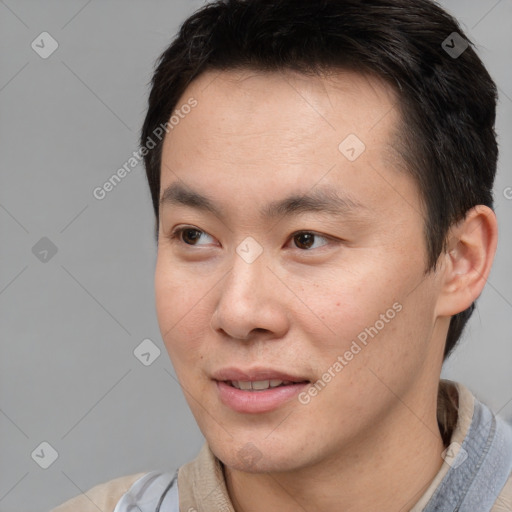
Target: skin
(254, 138)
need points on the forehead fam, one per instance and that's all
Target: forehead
(263, 132)
(329, 97)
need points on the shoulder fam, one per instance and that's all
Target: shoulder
(102, 497)
(504, 501)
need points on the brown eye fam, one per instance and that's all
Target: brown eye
(189, 235)
(306, 239)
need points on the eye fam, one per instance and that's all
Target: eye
(306, 240)
(188, 235)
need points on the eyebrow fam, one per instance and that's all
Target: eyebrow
(318, 200)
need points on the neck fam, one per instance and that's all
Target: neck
(387, 468)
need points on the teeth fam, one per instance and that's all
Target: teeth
(257, 385)
(260, 384)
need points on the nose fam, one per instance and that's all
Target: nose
(251, 300)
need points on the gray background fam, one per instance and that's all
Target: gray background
(69, 325)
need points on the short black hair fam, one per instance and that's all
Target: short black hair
(447, 101)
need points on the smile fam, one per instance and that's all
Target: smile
(258, 385)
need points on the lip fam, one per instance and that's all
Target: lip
(253, 374)
(254, 402)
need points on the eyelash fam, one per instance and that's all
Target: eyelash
(177, 232)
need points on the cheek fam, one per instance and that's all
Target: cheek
(349, 305)
(371, 314)
(386, 329)
(182, 312)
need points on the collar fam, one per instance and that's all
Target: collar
(477, 464)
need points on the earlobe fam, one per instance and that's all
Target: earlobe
(468, 259)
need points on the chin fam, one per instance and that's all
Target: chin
(254, 457)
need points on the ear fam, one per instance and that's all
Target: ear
(467, 262)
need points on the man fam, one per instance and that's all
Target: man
(321, 175)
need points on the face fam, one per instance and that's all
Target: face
(291, 261)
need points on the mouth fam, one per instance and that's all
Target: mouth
(260, 385)
(257, 391)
